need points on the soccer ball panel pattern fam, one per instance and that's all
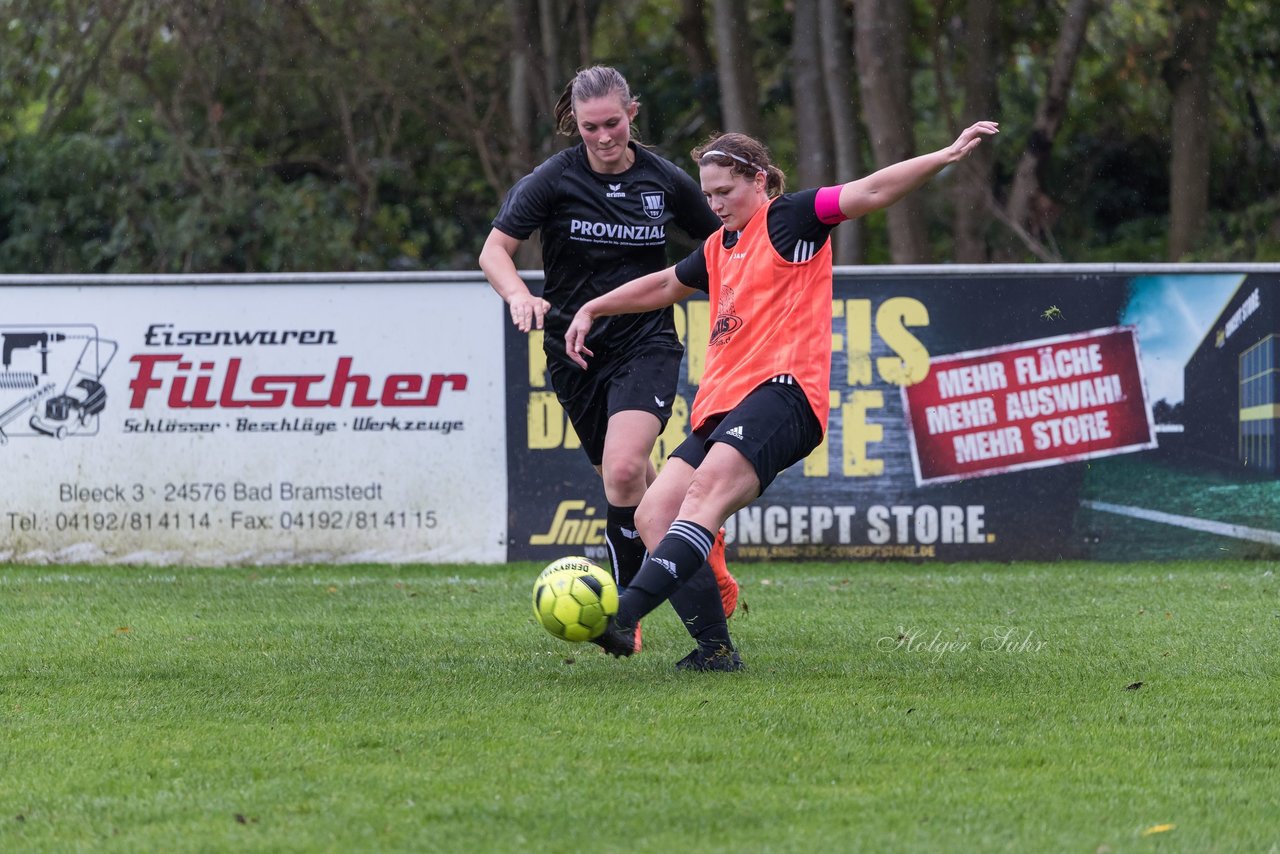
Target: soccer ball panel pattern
(573, 599)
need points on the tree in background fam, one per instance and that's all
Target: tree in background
(735, 67)
(835, 46)
(974, 186)
(884, 74)
(824, 98)
(1188, 72)
(237, 135)
(1030, 209)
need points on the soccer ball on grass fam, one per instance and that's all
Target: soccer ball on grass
(574, 598)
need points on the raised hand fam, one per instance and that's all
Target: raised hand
(972, 136)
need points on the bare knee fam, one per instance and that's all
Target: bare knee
(715, 491)
(697, 497)
(625, 479)
(652, 521)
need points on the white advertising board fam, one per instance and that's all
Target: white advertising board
(252, 423)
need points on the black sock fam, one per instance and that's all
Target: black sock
(682, 552)
(626, 549)
(702, 611)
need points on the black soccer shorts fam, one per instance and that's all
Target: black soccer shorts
(773, 427)
(644, 379)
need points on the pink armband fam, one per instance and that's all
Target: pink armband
(827, 205)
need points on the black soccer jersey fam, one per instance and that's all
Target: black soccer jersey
(600, 231)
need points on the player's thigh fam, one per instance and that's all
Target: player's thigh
(661, 502)
(629, 440)
(584, 396)
(725, 482)
(772, 429)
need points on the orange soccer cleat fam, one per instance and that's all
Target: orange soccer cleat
(727, 583)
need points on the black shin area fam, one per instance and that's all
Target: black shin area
(701, 610)
(626, 549)
(676, 560)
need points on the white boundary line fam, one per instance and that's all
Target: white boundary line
(1239, 532)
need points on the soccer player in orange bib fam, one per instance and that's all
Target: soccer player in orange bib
(762, 403)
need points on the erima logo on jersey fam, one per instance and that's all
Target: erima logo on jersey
(615, 192)
(617, 231)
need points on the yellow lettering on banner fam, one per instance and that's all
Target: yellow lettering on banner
(858, 433)
(818, 463)
(676, 430)
(857, 335)
(572, 525)
(837, 312)
(697, 325)
(546, 421)
(537, 360)
(548, 426)
(892, 320)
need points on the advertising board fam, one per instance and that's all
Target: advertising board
(984, 413)
(251, 422)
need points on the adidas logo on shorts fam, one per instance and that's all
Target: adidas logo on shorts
(735, 432)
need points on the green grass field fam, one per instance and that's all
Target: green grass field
(886, 708)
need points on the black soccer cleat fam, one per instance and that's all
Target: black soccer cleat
(617, 640)
(724, 659)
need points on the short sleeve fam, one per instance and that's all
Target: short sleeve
(530, 202)
(692, 271)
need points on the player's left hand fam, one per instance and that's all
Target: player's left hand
(576, 336)
(972, 136)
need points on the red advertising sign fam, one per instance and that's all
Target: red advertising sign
(1029, 405)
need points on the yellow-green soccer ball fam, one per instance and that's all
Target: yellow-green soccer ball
(574, 598)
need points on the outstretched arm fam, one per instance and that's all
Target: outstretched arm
(647, 293)
(886, 186)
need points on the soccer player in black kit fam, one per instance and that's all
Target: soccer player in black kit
(603, 207)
